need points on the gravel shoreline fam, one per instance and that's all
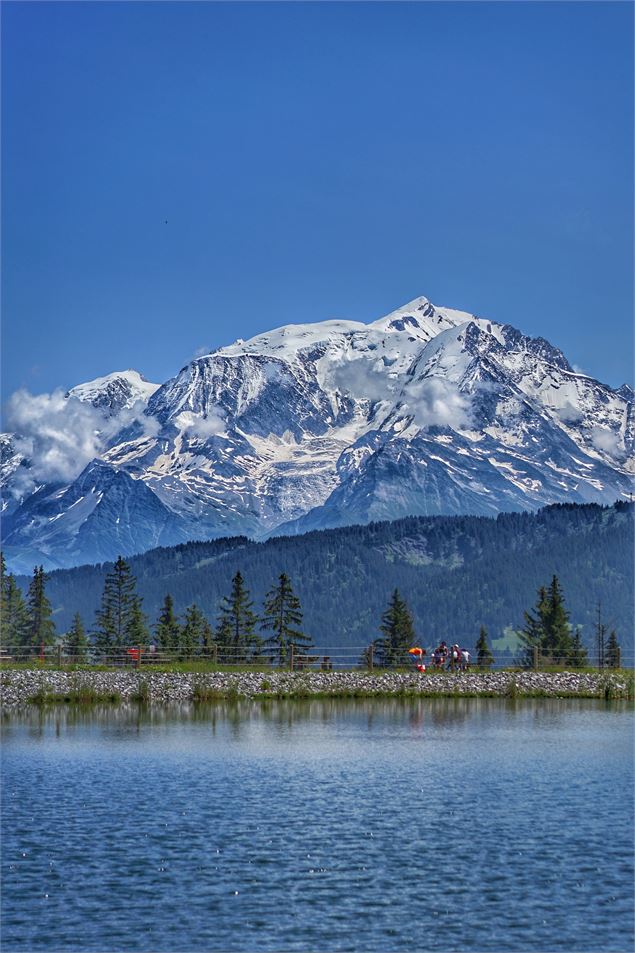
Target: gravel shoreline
(20, 686)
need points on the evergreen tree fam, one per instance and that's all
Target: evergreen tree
(548, 628)
(167, 629)
(209, 646)
(579, 655)
(484, 657)
(238, 624)
(282, 616)
(14, 621)
(194, 632)
(223, 639)
(41, 628)
(76, 642)
(534, 634)
(558, 641)
(137, 631)
(119, 604)
(398, 633)
(3, 589)
(600, 638)
(613, 651)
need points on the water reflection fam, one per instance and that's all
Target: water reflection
(289, 713)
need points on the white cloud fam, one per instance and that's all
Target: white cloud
(606, 440)
(59, 435)
(201, 427)
(436, 402)
(570, 414)
(361, 379)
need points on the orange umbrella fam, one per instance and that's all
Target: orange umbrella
(416, 651)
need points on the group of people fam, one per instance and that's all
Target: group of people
(452, 657)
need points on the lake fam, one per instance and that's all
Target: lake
(379, 825)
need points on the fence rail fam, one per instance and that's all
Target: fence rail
(337, 658)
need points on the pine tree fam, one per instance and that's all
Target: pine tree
(223, 639)
(76, 642)
(600, 638)
(167, 629)
(3, 589)
(558, 641)
(137, 631)
(579, 655)
(14, 621)
(118, 608)
(209, 646)
(238, 624)
(484, 657)
(534, 634)
(398, 633)
(548, 628)
(282, 615)
(193, 632)
(612, 654)
(41, 628)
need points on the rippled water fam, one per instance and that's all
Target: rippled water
(433, 825)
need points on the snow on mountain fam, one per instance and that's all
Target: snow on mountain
(117, 391)
(427, 410)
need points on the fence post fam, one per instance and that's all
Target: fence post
(291, 658)
(535, 650)
(618, 657)
(138, 656)
(59, 655)
(371, 651)
(215, 654)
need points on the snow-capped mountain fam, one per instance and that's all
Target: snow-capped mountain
(428, 410)
(117, 391)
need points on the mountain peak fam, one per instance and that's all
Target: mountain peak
(115, 391)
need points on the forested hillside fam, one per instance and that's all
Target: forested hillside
(456, 574)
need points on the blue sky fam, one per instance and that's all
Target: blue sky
(311, 161)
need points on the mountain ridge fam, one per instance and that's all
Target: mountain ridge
(456, 573)
(428, 410)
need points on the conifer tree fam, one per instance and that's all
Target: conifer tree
(484, 657)
(612, 654)
(237, 624)
(137, 631)
(600, 638)
(209, 645)
(41, 628)
(282, 615)
(398, 633)
(579, 655)
(223, 639)
(76, 642)
(14, 622)
(558, 641)
(118, 608)
(167, 629)
(534, 633)
(193, 632)
(548, 628)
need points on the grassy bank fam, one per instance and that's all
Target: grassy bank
(50, 687)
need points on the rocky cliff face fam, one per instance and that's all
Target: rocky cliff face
(426, 411)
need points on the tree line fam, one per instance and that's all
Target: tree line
(547, 636)
(454, 572)
(241, 635)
